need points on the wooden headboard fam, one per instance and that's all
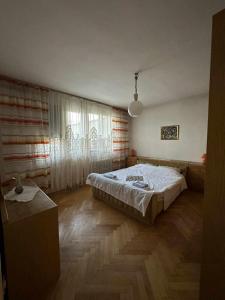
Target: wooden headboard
(194, 172)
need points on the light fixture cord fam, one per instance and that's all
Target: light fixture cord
(136, 78)
(136, 94)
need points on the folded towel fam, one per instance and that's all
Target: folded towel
(110, 176)
(134, 178)
(140, 185)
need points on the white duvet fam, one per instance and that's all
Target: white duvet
(165, 180)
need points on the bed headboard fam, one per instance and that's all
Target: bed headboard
(194, 172)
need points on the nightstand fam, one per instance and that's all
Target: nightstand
(31, 244)
(131, 161)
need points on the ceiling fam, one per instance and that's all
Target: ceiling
(91, 48)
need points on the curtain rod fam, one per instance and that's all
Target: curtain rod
(47, 89)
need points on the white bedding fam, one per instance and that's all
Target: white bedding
(165, 180)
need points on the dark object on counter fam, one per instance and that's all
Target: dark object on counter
(19, 189)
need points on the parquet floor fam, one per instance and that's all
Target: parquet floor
(107, 255)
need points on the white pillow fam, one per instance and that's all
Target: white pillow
(171, 170)
(145, 164)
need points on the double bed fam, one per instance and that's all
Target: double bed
(163, 186)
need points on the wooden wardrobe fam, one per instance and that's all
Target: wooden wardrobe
(212, 286)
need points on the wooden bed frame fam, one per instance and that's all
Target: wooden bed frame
(193, 172)
(154, 208)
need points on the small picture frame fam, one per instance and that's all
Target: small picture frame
(170, 132)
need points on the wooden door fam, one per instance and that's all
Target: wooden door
(212, 286)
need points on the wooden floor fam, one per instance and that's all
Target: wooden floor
(107, 255)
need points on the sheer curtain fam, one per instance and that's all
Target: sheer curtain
(24, 133)
(80, 139)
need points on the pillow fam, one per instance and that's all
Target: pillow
(171, 170)
(146, 163)
(182, 170)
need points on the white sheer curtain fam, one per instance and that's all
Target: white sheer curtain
(80, 139)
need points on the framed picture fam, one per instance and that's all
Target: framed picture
(170, 132)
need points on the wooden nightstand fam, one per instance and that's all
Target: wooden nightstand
(131, 161)
(31, 244)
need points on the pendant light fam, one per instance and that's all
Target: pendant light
(135, 108)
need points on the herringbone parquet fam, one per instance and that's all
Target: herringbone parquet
(107, 255)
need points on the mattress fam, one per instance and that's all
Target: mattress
(166, 181)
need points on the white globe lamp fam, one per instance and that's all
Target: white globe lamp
(135, 108)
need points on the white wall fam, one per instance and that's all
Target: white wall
(192, 116)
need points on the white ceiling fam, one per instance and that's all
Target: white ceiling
(92, 47)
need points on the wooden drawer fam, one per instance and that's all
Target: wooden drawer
(31, 242)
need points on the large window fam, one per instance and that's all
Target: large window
(89, 135)
(81, 139)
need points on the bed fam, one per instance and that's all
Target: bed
(164, 186)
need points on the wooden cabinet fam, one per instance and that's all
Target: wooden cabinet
(196, 177)
(212, 285)
(131, 161)
(31, 242)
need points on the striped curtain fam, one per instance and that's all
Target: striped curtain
(24, 133)
(120, 138)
